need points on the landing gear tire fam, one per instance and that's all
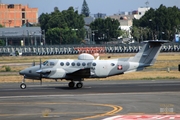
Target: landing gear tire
(79, 85)
(71, 84)
(23, 86)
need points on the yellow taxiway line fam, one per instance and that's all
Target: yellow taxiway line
(115, 109)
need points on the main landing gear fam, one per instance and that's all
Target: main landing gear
(78, 85)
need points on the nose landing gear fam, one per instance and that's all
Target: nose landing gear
(23, 85)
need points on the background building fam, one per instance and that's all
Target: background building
(140, 12)
(16, 15)
(126, 19)
(24, 36)
(100, 15)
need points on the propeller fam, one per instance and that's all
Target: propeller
(33, 63)
(40, 65)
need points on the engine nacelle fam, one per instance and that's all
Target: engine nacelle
(57, 73)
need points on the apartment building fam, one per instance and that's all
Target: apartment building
(16, 15)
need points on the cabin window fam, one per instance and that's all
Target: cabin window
(94, 64)
(112, 64)
(78, 64)
(73, 64)
(67, 63)
(89, 64)
(62, 64)
(83, 64)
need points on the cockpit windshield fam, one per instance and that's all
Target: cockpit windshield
(49, 63)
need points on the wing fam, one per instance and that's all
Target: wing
(83, 73)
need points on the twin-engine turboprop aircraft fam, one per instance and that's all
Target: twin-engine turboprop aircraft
(88, 67)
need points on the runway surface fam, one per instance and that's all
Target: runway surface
(96, 100)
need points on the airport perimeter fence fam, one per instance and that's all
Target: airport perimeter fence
(77, 49)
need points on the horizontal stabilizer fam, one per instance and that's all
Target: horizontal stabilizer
(156, 41)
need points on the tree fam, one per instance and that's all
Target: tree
(1, 42)
(85, 9)
(135, 33)
(105, 29)
(1, 26)
(43, 20)
(161, 23)
(59, 26)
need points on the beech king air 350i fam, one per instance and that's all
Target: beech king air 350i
(88, 67)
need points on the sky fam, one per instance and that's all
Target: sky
(109, 7)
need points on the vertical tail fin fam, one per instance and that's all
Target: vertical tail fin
(149, 52)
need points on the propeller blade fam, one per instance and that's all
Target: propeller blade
(33, 63)
(40, 72)
(40, 63)
(41, 82)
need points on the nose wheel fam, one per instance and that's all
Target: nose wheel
(23, 86)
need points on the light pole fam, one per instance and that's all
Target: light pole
(44, 37)
(162, 33)
(35, 42)
(28, 37)
(107, 36)
(75, 32)
(93, 37)
(32, 38)
(151, 33)
(93, 41)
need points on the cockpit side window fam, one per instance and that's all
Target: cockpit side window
(51, 63)
(45, 63)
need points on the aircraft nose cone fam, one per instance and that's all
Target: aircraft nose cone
(21, 72)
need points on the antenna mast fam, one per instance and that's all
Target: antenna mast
(147, 3)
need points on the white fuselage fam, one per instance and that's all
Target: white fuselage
(98, 68)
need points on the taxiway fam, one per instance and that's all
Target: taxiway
(96, 100)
